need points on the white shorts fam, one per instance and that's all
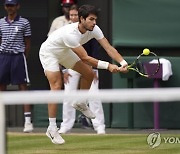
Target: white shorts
(50, 61)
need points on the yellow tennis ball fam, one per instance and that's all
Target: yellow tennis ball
(146, 51)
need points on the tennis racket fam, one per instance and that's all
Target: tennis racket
(140, 65)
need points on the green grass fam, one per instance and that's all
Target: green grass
(19, 143)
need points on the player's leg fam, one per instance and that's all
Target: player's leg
(87, 75)
(51, 68)
(69, 113)
(55, 82)
(52, 71)
(71, 60)
(86, 72)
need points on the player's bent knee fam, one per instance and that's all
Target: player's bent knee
(89, 76)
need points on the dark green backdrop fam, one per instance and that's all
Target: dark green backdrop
(142, 23)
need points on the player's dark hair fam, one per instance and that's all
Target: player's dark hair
(85, 10)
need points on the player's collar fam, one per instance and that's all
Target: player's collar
(15, 19)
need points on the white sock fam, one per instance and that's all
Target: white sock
(52, 123)
(27, 116)
(27, 119)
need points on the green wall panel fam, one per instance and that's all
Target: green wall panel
(119, 115)
(40, 116)
(119, 110)
(141, 23)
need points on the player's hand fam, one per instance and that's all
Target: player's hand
(123, 69)
(66, 76)
(113, 68)
(124, 66)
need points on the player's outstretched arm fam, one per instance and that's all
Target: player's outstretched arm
(112, 52)
(81, 52)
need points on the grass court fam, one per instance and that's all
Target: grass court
(38, 143)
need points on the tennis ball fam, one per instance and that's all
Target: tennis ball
(146, 51)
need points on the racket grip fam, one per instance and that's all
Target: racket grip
(123, 63)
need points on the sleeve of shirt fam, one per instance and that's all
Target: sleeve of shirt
(27, 29)
(71, 41)
(97, 32)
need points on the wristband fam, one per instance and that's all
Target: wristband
(102, 64)
(123, 63)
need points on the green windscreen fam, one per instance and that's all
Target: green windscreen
(146, 23)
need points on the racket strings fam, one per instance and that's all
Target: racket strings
(156, 69)
(141, 68)
(142, 65)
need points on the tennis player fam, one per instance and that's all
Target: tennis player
(72, 81)
(64, 46)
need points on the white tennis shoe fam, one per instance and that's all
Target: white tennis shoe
(55, 136)
(101, 131)
(28, 128)
(84, 109)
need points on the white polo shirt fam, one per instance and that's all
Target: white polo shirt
(69, 36)
(58, 46)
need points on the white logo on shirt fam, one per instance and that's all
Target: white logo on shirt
(16, 28)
